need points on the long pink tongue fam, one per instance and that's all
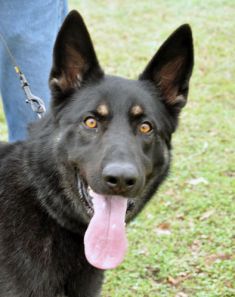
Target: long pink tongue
(105, 238)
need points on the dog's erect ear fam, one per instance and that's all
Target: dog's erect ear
(171, 67)
(74, 59)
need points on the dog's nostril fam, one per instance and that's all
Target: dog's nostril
(130, 182)
(111, 180)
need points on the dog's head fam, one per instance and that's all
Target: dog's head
(116, 132)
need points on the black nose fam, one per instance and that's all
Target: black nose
(120, 177)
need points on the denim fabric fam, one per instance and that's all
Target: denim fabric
(29, 28)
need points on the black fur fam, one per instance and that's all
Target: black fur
(43, 181)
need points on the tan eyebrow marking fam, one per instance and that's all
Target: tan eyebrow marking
(103, 110)
(137, 110)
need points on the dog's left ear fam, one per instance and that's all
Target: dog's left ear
(74, 58)
(171, 67)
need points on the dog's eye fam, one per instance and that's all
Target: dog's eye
(145, 128)
(90, 122)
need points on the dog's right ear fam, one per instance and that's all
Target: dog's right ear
(74, 58)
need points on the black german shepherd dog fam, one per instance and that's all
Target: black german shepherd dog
(88, 166)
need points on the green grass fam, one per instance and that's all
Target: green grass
(184, 239)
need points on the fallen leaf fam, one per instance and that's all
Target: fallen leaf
(229, 173)
(170, 192)
(197, 181)
(181, 294)
(207, 215)
(204, 236)
(176, 281)
(229, 284)
(180, 216)
(163, 229)
(172, 281)
(168, 203)
(164, 226)
(218, 257)
(195, 246)
(142, 252)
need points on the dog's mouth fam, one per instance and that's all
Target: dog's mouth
(105, 238)
(85, 196)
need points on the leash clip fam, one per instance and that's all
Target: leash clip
(36, 103)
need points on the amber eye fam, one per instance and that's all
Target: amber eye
(90, 122)
(145, 128)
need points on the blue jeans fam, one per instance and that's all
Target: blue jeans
(29, 28)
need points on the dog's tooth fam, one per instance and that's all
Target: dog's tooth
(80, 192)
(89, 190)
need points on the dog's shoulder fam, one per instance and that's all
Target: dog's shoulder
(4, 148)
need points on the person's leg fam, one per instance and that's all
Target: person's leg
(30, 28)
